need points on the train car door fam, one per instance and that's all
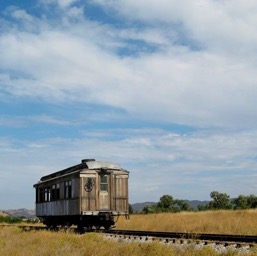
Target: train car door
(104, 191)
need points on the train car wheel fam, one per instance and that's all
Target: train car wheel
(107, 227)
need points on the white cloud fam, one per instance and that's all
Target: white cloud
(217, 25)
(22, 15)
(177, 84)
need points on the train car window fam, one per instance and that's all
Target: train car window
(41, 195)
(55, 192)
(103, 183)
(67, 187)
(47, 194)
(37, 195)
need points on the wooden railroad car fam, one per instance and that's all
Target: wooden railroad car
(88, 195)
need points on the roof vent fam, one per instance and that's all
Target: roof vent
(87, 160)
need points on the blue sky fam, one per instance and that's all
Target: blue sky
(166, 88)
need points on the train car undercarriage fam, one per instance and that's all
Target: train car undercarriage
(83, 222)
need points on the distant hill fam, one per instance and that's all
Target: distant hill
(3, 214)
(137, 207)
(194, 203)
(30, 214)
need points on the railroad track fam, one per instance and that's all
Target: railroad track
(173, 237)
(169, 237)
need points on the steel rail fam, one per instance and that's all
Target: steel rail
(193, 236)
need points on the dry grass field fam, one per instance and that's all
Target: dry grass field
(243, 222)
(15, 242)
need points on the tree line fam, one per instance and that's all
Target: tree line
(219, 201)
(10, 219)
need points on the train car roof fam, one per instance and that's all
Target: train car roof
(90, 164)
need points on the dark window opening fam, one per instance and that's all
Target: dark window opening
(67, 187)
(40, 195)
(55, 192)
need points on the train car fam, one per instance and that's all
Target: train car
(89, 194)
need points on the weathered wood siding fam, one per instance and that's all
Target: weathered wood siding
(62, 206)
(88, 192)
(121, 193)
(117, 191)
(58, 208)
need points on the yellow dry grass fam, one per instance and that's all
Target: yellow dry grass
(14, 242)
(241, 222)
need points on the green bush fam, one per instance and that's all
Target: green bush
(10, 219)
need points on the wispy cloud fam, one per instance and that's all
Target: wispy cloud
(22, 121)
(189, 87)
